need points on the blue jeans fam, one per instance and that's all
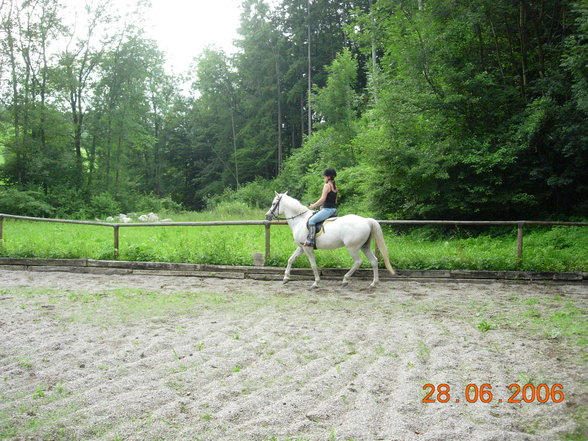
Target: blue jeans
(325, 213)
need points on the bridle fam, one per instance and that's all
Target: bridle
(276, 208)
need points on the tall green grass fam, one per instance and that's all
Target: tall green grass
(545, 249)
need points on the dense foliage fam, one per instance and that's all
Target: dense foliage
(428, 109)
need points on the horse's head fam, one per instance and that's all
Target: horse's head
(276, 209)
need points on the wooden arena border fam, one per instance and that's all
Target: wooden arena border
(119, 267)
(267, 224)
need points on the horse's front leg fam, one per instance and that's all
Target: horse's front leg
(310, 254)
(291, 260)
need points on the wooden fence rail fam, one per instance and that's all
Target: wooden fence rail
(116, 227)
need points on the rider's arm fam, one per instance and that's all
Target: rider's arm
(323, 198)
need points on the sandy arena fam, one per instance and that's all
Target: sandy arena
(127, 357)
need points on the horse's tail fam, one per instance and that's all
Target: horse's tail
(378, 236)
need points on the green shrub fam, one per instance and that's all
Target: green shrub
(24, 203)
(141, 252)
(354, 191)
(69, 202)
(104, 204)
(152, 203)
(256, 194)
(234, 209)
(561, 237)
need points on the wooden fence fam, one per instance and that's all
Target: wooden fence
(267, 224)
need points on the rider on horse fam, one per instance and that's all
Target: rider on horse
(328, 200)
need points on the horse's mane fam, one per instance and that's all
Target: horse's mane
(295, 202)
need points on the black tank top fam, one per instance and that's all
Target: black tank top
(331, 201)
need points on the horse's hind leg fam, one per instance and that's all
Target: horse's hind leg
(291, 260)
(356, 264)
(374, 261)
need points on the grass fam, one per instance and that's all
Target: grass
(484, 326)
(423, 352)
(559, 319)
(34, 413)
(426, 248)
(128, 305)
(552, 317)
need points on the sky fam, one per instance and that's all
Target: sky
(183, 28)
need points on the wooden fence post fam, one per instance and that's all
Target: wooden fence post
(116, 242)
(520, 244)
(1, 226)
(267, 243)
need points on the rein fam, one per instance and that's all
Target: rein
(277, 208)
(288, 218)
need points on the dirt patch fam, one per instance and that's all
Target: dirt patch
(173, 358)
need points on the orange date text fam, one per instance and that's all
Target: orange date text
(528, 393)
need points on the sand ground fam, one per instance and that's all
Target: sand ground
(97, 357)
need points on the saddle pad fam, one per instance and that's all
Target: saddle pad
(320, 227)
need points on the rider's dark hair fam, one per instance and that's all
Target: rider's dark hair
(331, 173)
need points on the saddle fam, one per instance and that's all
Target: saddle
(320, 225)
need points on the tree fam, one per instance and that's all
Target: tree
(260, 65)
(473, 101)
(77, 65)
(127, 114)
(35, 156)
(217, 84)
(336, 102)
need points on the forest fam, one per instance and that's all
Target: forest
(428, 109)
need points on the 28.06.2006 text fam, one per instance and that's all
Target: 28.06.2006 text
(528, 393)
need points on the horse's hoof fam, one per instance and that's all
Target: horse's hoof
(345, 283)
(314, 286)
(286, 280)
(372, 285)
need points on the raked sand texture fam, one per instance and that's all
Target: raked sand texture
(95, 357)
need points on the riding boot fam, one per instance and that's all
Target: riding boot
(311, 233)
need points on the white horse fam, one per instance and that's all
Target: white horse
(350, 231)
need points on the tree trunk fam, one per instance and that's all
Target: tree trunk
(524, 42)
(301, 119)
(43, 93)
(117, 161)
(478, 30)
(374, 61)
(156, 129)
(108, 149)
(279, 93)
(512, 55)
(15, 104)
(91, 163)
(309, 70)
(235, 145)
(497, 47)
(78, 119)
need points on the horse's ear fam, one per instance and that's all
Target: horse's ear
(276, 192)
(285, 193)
